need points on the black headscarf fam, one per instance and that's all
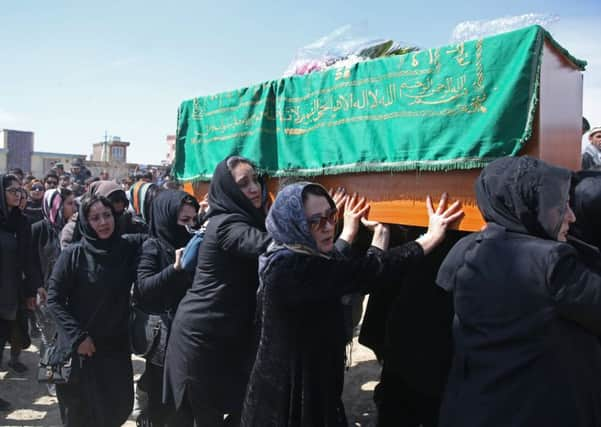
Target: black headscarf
(524, 195)
(89, 238)
(586, 203)
(10, 219)
(226, 198)
(163, 218)
(13, 221)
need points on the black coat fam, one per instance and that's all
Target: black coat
(89, 295)
(297, 377)
(211, 345)
(159, 289)
(45, 251)
(526, 354)
(409, 327)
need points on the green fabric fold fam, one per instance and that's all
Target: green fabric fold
(440, 109)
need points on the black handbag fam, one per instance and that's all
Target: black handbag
(144, 331)
(56, 366)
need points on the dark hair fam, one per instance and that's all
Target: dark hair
(77, 189)
(88, 201)
(586, 126)
(51, 175)
(317, 190)
(234, 161)
(65, 176)
(91, 180)
(16, 171)
(65, 192)
(191, 201)
(118, 196)
(8, 178)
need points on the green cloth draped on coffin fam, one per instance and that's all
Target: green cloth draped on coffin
(453, 107)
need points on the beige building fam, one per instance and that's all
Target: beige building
(112, 151)
(42, 162)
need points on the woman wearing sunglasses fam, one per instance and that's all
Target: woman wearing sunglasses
(298, 373)
(33, 209)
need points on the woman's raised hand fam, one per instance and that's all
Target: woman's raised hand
(355, 208)
(339, 197)
(438, 222)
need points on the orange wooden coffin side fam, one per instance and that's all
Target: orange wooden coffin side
(399, 198)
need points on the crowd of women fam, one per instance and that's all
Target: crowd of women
(255, 334)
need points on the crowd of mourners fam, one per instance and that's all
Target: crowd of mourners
(249, 326)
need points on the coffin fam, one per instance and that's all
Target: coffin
(398, 129)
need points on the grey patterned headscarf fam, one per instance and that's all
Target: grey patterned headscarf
(287, 223)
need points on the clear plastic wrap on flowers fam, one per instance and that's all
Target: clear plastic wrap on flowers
(341, 48)
(470, 30)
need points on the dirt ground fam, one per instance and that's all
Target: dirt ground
(32, 406)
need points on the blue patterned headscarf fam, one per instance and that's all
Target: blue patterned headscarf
(287, 223)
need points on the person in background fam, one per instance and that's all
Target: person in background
(212, 345)
(15, 268)
(59, 169)
(64, 181)
(591, 157)
(126, 183)
(18, 172)
(91, 306)
(58, 206)
(161, 285)
(79, 173)
(141, 196)
(77, 189)
(89, 182)
(527, 309)
(50, 181)
(104, 175)
(33, 209)
(28, 181)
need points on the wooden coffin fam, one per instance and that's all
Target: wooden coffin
(399, 198)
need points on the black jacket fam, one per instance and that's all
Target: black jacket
(527, 315)
(211, 342)
(159, 289)
(89, 295)
(297, 377)
(45, 251)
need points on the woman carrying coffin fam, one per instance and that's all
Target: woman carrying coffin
(211, 346)
(298, 373)
(527, 309)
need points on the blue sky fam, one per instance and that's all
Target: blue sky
(69, 71)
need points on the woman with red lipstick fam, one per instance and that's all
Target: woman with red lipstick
(297, 376)
(88, 295)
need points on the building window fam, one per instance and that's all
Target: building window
(118, 153)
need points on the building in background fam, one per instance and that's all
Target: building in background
(16, 151)
(112, 151)
(18, 148)
(170, 151)
(42, 162)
